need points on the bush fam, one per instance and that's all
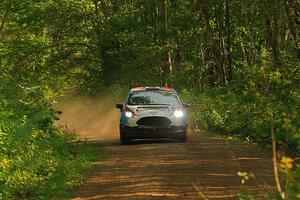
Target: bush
(240, 110)
(37, 160)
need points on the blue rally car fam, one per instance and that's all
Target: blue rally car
(152, 112)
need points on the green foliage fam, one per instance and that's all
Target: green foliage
(37, 160)
(293, 186)
(236, 61)
(246, 195)
(248, 109)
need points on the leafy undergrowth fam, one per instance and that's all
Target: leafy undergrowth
(43, 168)
(240, 114)
(37, 160)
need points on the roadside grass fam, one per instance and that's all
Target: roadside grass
(240, 139)
(70, 174)
(231, 138)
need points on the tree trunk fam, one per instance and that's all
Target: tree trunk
(167, 61)
(273, 30)
(3, 21)
(162, 13)
(215, 46)
(292, 23)
(115, 5)
(244, 54)
(228, 33)
(276, 40)
(104, 8)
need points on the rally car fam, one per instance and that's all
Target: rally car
(152, 112)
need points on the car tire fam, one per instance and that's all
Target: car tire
(123, 139)
(182, 138)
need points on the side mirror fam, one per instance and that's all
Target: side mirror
(119, 106)
(186, 105)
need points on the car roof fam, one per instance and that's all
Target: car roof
(138, 89)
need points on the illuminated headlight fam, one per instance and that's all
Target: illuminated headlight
(178, 113)
(128, 114)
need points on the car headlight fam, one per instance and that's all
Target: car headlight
(178, 113)
(128, 114)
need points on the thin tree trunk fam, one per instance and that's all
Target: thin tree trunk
(167, 61)
(170, 61)
(273, 31)
(203, 56)
(228, 32)
(221, 39)
(275, 40)
(244, 54)
(115, 5)
(292, 23)
(162, 14)
(266, 86)
(3, 21)
(274, 152)
(104, 8)
(216, 51)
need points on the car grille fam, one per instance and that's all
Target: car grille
(154, 122)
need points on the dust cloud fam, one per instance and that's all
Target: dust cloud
(92, 118)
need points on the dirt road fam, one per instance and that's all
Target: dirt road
(203, 168)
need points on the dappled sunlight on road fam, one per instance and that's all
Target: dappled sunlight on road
(202, 168)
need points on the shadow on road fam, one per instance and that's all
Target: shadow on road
(164, 169)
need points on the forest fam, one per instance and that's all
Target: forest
(237, 62)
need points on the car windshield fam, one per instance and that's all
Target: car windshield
(152, 98)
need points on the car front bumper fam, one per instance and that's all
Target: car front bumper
(138, 132)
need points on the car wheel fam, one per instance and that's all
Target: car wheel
(182, 138)
(123, 139)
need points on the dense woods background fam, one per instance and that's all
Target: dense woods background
(236, 61)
